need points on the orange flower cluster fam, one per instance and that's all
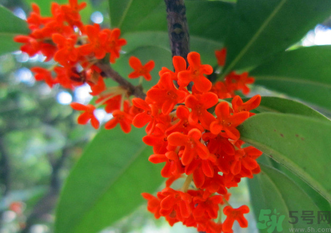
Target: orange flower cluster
(73, 45)
(185, 135)
(190, 140)
(232, 82)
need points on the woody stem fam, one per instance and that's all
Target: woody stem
(178, 28)
(108, 72)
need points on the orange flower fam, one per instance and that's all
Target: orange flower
(86, 115)
(173, 166)
(179, 65)
(153, 205)
(221, 90)
(97, 87)
(239, 82)
(195, 73)
(139, 69)
(235, 214)
(67, 54)
(114, 44)
(98, 40)
(238, 105)
(44, 74)
(192, 144)
(35, 21)
(72, 12)
(31, 45)
(199, 105)
(221, 56)
(225, 123)
(122, 118)
(165, 94)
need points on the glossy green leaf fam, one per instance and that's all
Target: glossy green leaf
(320, 201)
(274, 191)
(282, 105)
(126, 14)
(107, 182)
(10, 26)
(302, 73)
(262, 28)
(299, 143)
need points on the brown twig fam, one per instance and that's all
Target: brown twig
(178, 28)
(108, 72)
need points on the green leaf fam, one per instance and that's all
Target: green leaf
(262, 28)
(282, 105)
(303, 73)
(107, 181)
(299, 143)
(126, 14)
(320, 201)
(274, 191)
(10, 26)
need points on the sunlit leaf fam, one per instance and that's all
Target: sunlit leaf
(282, 105)
(262, 28)
(302, 73)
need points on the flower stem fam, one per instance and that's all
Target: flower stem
(187, 183)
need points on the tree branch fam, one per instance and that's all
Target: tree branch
(178, 28)
(108, 72)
